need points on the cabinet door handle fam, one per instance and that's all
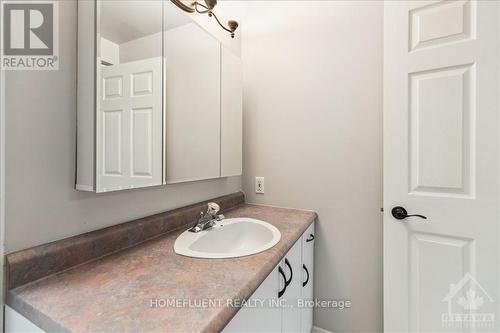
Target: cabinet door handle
(307, 272)
(291, 272)
(281, 292)
(310, 238)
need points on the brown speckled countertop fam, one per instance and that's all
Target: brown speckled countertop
(114, 293)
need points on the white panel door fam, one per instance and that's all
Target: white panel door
(292, 266)
(129, 125)
(231, 114)
(441, 160)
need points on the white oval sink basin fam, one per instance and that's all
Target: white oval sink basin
(229, 238)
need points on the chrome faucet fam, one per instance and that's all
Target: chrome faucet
(207, 220)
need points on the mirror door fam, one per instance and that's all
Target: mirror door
(129, 87)
(192, 80)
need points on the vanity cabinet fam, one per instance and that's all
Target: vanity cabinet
(277, 305)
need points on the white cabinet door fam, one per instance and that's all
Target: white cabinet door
(292, 266)
(260, 319)
(192, 79)
(17, 323)
(282, 313)
(307, 278)
(129, 125)
(231, 114)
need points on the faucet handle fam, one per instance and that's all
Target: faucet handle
(213, 208)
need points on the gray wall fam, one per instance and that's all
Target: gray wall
(313, 129)
(41, 205)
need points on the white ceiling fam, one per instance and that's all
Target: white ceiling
(126, 20)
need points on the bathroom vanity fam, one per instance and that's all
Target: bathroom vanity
(128, 278)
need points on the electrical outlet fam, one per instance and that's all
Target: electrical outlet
(259, 185)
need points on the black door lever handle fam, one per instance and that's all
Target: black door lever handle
(399, 213)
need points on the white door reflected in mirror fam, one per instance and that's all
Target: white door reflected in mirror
(129, 94)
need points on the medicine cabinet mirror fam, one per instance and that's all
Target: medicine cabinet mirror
(159, 97)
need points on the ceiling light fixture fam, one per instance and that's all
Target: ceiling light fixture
(206, 8)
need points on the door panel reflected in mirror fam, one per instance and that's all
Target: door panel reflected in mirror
(129, 112)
